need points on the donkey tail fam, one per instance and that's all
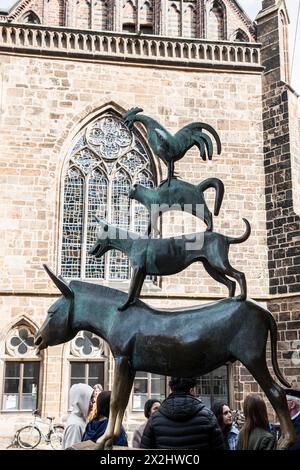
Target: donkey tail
(243, 237)
(218, 185)
(273, 333)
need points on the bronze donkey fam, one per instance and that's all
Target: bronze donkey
(166, 256)
(186, 343)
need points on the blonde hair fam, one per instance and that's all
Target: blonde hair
(93, 402)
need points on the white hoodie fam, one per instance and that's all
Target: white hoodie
(79, 399)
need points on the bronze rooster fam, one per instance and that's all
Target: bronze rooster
(171, 148)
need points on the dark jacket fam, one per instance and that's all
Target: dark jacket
(96, 429)
(182, 422)
(259, 439)
(296, 423)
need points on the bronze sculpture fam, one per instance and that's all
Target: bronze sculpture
(179, 195)
(188, 342)
(171, 148)
(166, 256)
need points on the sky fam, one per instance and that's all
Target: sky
(252, 7)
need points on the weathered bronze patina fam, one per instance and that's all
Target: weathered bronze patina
(166, 256)
(188, 343)
(171, 148)
(179, 195)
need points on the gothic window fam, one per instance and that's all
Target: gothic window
(83, 14)
(240, 36)
(88, 358)
(21, 371)
(100, 15)
(174, 22)
(129, 16)
(216, 21)
(146, 18)
(31, 17)
(87, 344)
(189, 21)
(20, 342)
(106, 159)
(283, 44)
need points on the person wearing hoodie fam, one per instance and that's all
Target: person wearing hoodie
(182, 421)
(79, 399)
(96, 428)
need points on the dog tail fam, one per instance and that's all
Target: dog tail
(243, 237)
(218, 185)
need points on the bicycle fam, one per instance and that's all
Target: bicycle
(29, 437)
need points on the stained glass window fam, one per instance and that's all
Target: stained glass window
(106, 159)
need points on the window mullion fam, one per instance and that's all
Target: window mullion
(21, 385)
(109, 214)
(86, 373)
(84, 225)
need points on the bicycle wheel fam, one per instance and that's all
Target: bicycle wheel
(56, 437)
(29, 437)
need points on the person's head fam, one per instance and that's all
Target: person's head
(96, 390)
(223, 414)
(150, 407)
(256, 416)
(183, 385)
(103, 404)
(293, 401)
(79, 399)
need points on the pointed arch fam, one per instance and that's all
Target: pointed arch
(30, 17)
(240, 36)
(216, 20)
(21, 320)
(190, 21)
(104, 159)
(100, 15)
(129, 16)
(284, 47)
(174, 20)
(146, 20)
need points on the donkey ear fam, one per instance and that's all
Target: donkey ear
(60, 283)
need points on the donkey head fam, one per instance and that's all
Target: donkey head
(57, 328)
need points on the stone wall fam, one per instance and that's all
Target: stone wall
(281, 160)
(39, 119)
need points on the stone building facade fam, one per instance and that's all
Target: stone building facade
(68, 71)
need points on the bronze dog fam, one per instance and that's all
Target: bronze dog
(166, 256)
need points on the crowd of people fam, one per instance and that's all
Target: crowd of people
(181, 421)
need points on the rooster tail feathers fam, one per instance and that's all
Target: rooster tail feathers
(198, 127)
(201, 146)
(200, 136)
